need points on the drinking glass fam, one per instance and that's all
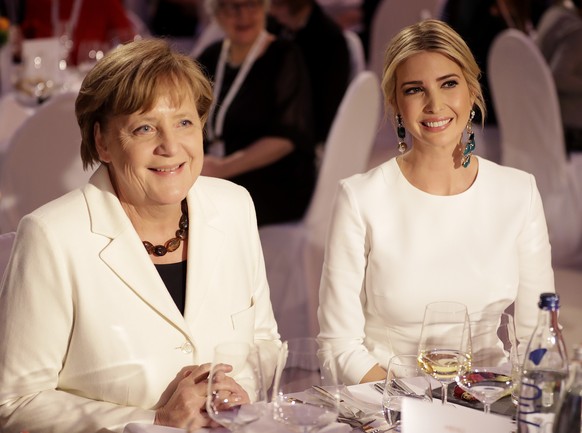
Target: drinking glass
(404, 379)
(301, 365)
(231, 409)
(445, 342)
(89, 53)
(489, 376)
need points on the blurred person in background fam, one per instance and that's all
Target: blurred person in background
(13, 10)
(346, 13)
(78, 22)
(178, 20)
(480, 21)
(559, 36)
(259, 130)
(325, 51)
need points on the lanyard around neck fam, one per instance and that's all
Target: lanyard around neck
(216, 131)
(71, 23)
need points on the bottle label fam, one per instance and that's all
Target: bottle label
(538, 398)
(537, 355)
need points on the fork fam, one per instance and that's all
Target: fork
(379, 429)
(354, 412)
(400, 385)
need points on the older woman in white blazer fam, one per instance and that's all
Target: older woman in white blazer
(117, 293)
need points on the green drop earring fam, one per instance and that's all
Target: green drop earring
(470, 145)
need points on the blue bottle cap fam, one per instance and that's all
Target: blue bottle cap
(549, 301)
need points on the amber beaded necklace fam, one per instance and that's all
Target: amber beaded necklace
(174, 243)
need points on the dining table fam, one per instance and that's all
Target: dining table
(16, 106)
(366, 397)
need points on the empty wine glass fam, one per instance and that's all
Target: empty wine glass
(404, 379)
(300, 366)
(445, 342)
(234, 410)
(489, 376)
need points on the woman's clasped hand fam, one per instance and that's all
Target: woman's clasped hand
(183, 404)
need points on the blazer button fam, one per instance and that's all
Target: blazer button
(187, 348)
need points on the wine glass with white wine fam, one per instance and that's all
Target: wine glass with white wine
(493, 357)
(445, 342)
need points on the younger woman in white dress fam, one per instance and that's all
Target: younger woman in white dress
(433, 224)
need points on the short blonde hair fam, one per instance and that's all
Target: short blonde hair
(130, 79)
(434, 36)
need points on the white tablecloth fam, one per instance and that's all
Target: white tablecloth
(368, 400)
(12, 115)
(16, 108)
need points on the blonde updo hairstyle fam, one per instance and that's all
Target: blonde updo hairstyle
(433, 36)
(130, 79)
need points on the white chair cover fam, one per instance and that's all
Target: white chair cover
(209, 34)
(294, 251)
(5, 69)
(569, 287)
(357, 55)
(389, 18)
(42, 161)
(12, 115)
(6, 241)
(528, 115)
(138, 24)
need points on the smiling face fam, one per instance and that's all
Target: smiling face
(241, 20)
(434, 100)
(154, 157)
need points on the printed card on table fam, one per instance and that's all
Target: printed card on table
(421, 417)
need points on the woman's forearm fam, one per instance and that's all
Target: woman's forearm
(261, 153)
(375, 374)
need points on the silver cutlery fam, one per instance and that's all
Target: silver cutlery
(381, 429)
(345, 408)
(404, 389)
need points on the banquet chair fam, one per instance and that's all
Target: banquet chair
(294, 251)
(528, 114)
(569, 287)
(6, 241)
(138, 24)
(357, 55)
(389, 18)
(209, 34)
(42, 161)
(12, 115)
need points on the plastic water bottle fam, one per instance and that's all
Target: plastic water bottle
(569, 416)
(545, 371)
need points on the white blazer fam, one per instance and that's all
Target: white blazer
(91, 337)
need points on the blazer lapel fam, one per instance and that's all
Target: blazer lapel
(125, 254)
(205, 244)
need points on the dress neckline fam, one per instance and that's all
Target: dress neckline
(419, 191)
